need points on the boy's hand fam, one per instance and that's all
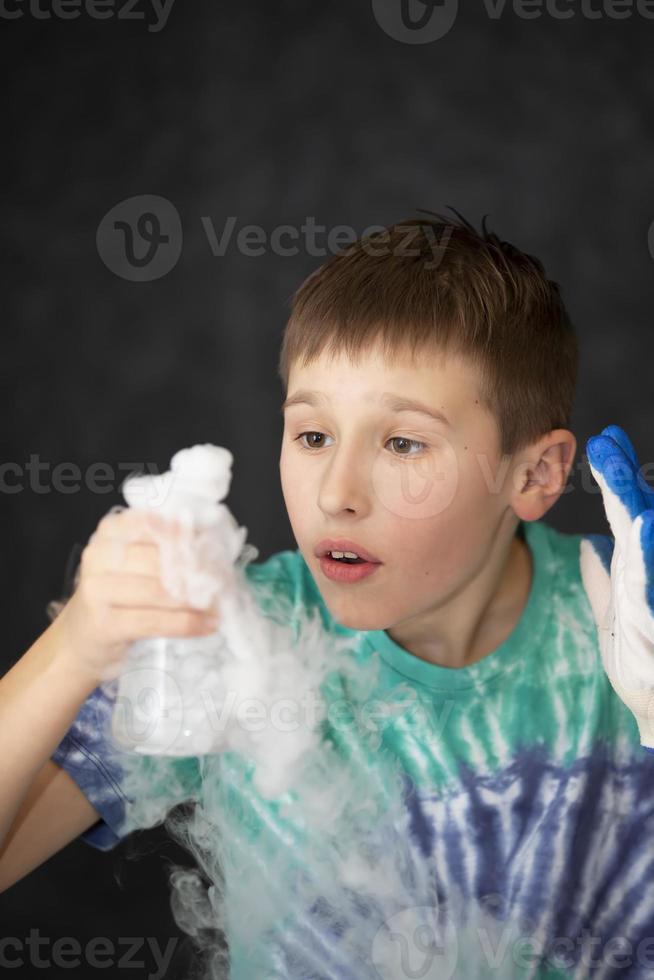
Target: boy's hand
(120, 596)
(618, 575)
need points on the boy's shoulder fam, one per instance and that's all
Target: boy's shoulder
(569, 626)
(556, 553)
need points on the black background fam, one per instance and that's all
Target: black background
(270, 113)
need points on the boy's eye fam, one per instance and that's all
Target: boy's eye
(393, 439)
(410, 442)
(303, 444)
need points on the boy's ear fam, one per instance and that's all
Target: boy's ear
(541, 475)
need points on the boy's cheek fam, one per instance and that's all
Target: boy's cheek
(418, 490)
(296, 494)
(287, 476)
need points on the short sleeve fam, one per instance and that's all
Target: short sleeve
(129, 792)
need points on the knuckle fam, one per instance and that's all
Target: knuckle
(190, 621)
(143, 622)
(146, 561)
(99, 623)
(128, 624)
(151, 589)
(165, 624)
(106, 523)
(97, 596)
(87, 589)
(87, 555)
(105, 622)
(135, 623)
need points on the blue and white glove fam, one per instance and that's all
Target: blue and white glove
(618, 575)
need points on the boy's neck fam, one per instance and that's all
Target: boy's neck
(478, 620)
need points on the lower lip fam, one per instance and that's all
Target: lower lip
(340, 571)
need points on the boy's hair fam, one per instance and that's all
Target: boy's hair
(439, 283)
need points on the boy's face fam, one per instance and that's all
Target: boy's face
(423, 496)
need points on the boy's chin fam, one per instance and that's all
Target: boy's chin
(360, 620)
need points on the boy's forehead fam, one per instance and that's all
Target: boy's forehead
(445, 382)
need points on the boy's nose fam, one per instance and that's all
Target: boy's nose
(345, 485)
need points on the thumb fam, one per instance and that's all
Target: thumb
(595, 555)
(639, 565)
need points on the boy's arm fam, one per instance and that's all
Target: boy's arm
(39, 699)
(618, 575)
(54, 812)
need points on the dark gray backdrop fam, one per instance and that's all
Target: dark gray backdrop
(273, 114)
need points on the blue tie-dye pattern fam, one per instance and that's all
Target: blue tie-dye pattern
(563, 843)
(421, 828)
(83, 753)
(528, 882)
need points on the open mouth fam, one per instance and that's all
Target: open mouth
(339, 552)
(347, 570)
(344, 560)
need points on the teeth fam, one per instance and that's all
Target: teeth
(343, 554)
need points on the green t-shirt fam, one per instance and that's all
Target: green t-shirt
(512, 793)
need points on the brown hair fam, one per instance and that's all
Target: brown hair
(439, 283)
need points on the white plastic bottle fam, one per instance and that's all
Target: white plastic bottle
(165, 690)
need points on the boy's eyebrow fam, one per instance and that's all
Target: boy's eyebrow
(396, 403)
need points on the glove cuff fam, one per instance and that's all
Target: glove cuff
(641, 705)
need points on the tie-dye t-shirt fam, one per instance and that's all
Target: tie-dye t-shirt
(528, 802)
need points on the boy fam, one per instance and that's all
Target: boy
(429, 374)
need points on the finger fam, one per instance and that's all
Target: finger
(634, 661)
(603, 546)
(614, 472)
(116, 555)
(620, 436)
(135, 623)
(120, 590)
(639, 568)
(595, 563)
(625, 443)
(137, 525)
